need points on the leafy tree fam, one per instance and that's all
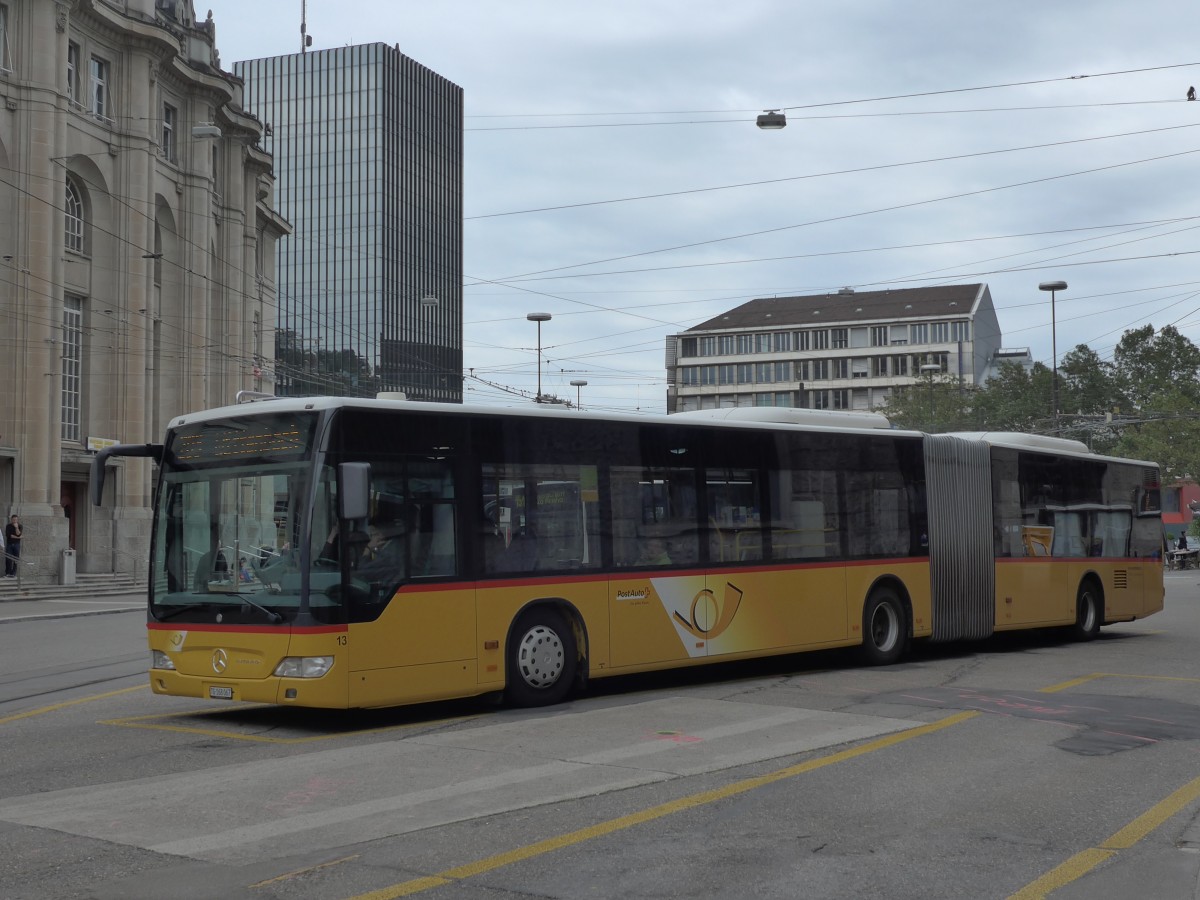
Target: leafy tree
(1171, 438)
(1088, 385)
(1150, 365)
(1145, 404)
(1015, 399)
(936, 404)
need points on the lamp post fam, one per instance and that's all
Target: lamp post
(578, 384)
(771, 120)
(539, 317)
(430, 303)
(930, 369)
(1053, 287)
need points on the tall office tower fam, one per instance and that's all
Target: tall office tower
(369, 159)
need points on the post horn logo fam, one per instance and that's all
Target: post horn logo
(220, 661)
(708, 616)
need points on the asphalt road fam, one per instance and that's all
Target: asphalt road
(1025, 766)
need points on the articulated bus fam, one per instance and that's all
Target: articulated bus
(347, 553)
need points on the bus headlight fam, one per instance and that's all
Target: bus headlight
(160, 660)
(304, 666)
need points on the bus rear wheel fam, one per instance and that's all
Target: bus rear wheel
(884, 628)
(542, 659)
(1089, 612)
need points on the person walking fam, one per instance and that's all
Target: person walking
(12, 546)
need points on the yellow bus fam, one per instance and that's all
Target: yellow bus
(348, 553)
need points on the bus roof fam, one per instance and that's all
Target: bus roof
(765, 417)
(1041, 442)
(782, 418)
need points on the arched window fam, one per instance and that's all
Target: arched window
(74, 218)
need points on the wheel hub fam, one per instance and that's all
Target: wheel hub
(541, 659)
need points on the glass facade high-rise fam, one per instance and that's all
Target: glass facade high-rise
(369, 161)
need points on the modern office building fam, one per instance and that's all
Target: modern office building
(137, 238)
(845, 350)
(369, 159)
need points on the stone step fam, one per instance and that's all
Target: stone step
(86, 585)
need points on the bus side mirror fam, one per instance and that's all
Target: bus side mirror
(96, 478)
(354, 490)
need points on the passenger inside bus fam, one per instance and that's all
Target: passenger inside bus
(211, 567)
(654, 553)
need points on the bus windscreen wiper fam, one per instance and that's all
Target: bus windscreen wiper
(179, 610)
(272, 616)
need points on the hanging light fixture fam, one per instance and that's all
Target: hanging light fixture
(772, 120)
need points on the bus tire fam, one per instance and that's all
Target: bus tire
(542, 659)
(885, 629)
(1089, 612)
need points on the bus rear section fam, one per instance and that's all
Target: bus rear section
(1030, 532)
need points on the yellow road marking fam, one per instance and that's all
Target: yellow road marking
(417, 885)
(68, 703)
(1082, 863)
(286, 875)
(1075, 682)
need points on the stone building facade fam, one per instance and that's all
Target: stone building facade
(138, 236)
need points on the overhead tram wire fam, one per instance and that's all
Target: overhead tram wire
(855, 171)
(742, 120)
(885, 248)
(951, 278)
(988, 87)
(846, 216)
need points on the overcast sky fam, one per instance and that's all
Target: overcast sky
(1048, 141)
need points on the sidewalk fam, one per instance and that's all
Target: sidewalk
(61, 608)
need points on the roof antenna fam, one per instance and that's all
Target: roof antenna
(305, 37)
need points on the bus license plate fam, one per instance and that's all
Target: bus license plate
(220, 693)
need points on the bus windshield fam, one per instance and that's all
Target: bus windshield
(231, 519)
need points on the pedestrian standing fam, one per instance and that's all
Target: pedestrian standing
(12, 546)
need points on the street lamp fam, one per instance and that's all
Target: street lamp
(539, 318)
(578, 384)
(771, 120)
(1053, 287)
(930, 369)
(430, 304)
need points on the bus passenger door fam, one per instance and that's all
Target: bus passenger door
(657, 593)
(657, 617)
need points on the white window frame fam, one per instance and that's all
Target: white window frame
(73, 57)
(170, 121)
(74, 219)
(99, 96)
(72, 368)
(6, 63)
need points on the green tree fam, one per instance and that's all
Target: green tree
(1015, 399)
(933, 404)
(1151, 365)
(1087, 384)
(1171, 439)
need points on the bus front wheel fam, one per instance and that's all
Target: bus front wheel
(1089, 612)
(542, 658)
(884, 630)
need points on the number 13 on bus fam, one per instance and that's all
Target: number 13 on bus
(346, 553)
